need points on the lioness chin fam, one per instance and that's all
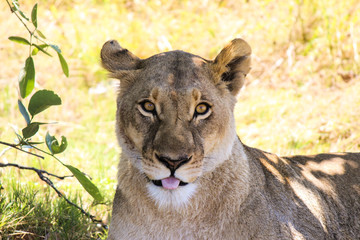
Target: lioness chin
(184, 174)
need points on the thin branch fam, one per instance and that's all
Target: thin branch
(31, 33)
(16, 147)
(53, 155)
(33, 169)
(50, 154)
(50, 183)
(19, 17)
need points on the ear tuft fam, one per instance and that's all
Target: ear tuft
(115, 58)
(232, 65)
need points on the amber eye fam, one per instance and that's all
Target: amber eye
(202, 109)
(148, 106)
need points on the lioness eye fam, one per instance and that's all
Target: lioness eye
(202, 109)
(148, 106)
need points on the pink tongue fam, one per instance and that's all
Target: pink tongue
(170, 183)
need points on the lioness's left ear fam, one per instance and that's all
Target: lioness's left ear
(232, 64)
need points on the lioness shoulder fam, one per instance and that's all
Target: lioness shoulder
(184, 173)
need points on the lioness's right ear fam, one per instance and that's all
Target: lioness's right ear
(115, 58)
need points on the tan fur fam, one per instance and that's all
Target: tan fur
(229, 191)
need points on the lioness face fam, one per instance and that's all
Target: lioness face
(175, 115)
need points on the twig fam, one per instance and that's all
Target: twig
(19, 17)
(16, 147)
(27, 28)
(50, 183)
(33, 169)
(52, 155)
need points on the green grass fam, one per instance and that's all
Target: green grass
(301, 96)
(30, 211)
(299, 121)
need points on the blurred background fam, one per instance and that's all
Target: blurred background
(301, 96)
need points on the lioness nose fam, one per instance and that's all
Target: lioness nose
(173, 164)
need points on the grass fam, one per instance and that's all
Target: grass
(301, 96)
(292, 121)
(35, 214)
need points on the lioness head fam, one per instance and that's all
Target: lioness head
(175, 114)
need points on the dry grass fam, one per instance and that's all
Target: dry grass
(301, 96)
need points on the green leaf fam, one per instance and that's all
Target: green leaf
(88, 185)
(34, 51)
(56, 148)
(42, 100)
(56, 48)
(49, 139)
(34, 15)
(27, 78)
(41, 48)
(64, 65)
(23, 15)
(24, 112)
(53, 144)
(30, 130)
(40, 34)
(19, 40)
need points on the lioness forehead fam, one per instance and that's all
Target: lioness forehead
(175, 58)
(175, 70)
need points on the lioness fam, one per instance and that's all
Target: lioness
(184, 173)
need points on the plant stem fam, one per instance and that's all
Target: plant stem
(16, 147)
(19, 17)
(33, 169)
(52, 155)
(31, 33)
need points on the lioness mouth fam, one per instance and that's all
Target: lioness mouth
(169, 183)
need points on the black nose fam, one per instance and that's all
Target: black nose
(173, 164)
